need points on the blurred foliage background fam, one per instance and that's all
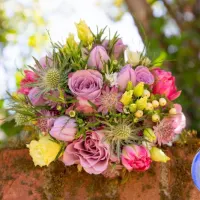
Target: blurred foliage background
(169, 28)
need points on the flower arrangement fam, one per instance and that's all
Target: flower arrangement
(92, 107)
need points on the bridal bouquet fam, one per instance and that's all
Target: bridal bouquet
(92, 107)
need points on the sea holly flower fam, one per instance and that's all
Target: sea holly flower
(135, 157)
(86, 83)
(98, 57)
(64, 129)
(165, 84)
(125, 75)
(84, 33)
(43, 151)
(158, 155)
(109, 100)
(90, 152)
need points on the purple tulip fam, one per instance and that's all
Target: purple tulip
(98, 56)
(144, 75)
(35, 97)
(125, 75)
(64, 129)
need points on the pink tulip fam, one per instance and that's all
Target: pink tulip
(98, 56)
(135, 157)
(124, 76)
(165, 84)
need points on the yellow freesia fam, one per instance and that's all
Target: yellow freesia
(43, 151)
(158, 155)
(149, 135)
(84, 33)
(141, 103)
(127, 97)
(139, 89)
(71, 44)
(133, 107)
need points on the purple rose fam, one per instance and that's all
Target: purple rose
(144, 75)
(91, 153)
(64, 129)
(86, 83)
(36, 97)
(118, 49)
(125, 75)
(98, 56)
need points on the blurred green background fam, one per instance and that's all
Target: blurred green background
(170, 29)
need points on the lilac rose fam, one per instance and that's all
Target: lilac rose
(98, 56)
(86, 83)
(36, 97)
(64, 129)
(144, 75)
(91, 153)
(125, 75)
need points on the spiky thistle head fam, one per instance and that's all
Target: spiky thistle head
(51, 78)
(21, 119)
(122, 133)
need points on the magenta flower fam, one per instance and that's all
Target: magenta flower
(144, 75)
(125, 75)
(98, 56)
(36, 97)
(30, 77)
(64, 129)
(109, 100)
(86, 83)
(135, 157)
(165, 84)
(91, 153)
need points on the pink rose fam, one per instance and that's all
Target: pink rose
(86, 83)
(98, 56)
(64, 129)
(36, 97)
(91, 153)
(83, 106)
(135, 157)
(144, 75)
(30, 77)
(165, 84)
(125, 75)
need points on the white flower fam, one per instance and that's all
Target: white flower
(112, 78)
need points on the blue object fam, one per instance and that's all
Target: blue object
(196, 170)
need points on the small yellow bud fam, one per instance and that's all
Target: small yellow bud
(133, 107)
(155, 103)
(139, 114)
(72, 113)
(172, 111)
(127, 97)
(135, 120)
(158, 155)
(149, 135)
(149, 106)
(146, 93)
(79, 168)
(84, 33)
(141, 103)
(115, 62)
(162, 101)
(155, 118)
(59, 107)
(139, 89)
(129, 86)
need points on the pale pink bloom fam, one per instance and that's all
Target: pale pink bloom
(36, 97)
(90, 152)
(84, 106)
(135, 157)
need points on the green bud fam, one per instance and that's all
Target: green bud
(133, 107)
(135, 120)
(141, 103)
(149, 135)
(129, 86)
(139, 89)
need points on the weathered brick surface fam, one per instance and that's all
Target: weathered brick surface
(21, 180)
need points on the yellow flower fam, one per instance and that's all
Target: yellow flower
(158, 155)
(44, 151)
(149, 134)
(133, 107)
(129, 86)
(71, 44)
(139, 89)
(84, 33)
(141, 103)
(127, 97)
